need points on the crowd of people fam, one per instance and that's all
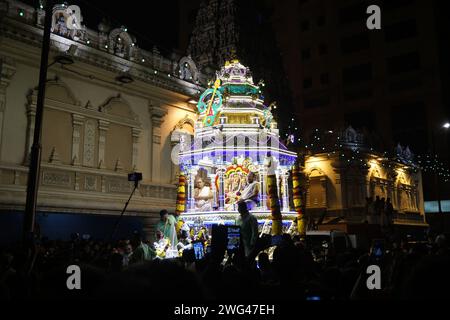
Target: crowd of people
(294, 270)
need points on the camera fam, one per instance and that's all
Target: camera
(135, 177)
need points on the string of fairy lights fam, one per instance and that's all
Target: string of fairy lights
(332, 143)
(433, 164)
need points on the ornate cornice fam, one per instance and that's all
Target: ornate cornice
(32, 35)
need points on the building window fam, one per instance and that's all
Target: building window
(307, 83)
(352, 74)
(355, 43)
(324, 79)
(306, 54)
(323, 49)
(403, 63)
(401, 30)
(304, 25)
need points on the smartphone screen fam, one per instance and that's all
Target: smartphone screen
(199, 250)
(378, 248)
(313, 298)
(233, 238)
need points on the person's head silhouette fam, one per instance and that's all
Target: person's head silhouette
(242, 208)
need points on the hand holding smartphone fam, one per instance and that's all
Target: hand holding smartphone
(233, 238)
(199, 250)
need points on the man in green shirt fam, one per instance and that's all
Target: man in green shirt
(166, 227)
(249, 228)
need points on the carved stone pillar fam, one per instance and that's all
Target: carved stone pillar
(262, 188)
(7, 71)
(212, 177)
(191, 187)
(189, 191)
(103, 127)
(17, 177)
(174, 168)
(176, 146)
(221, 192)
(90, 128)
(157, 114)
(103, 184)
(135, 133)
(340, 189)
(278, 179)
(285, 187)
(77, 124)
(77, 181)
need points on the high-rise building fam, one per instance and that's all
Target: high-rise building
(391, 83)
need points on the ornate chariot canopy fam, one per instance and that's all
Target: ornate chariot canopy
(235, 135)
(234, 123)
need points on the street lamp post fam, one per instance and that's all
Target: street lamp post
(35, 157)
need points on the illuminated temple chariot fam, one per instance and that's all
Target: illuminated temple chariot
(235, 143)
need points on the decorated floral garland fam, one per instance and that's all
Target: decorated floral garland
(297, 199)
(181, 195)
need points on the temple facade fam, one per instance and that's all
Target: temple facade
(110, 109)
(342, 177)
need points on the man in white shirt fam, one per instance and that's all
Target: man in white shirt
(250, 194)
(203, 200)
